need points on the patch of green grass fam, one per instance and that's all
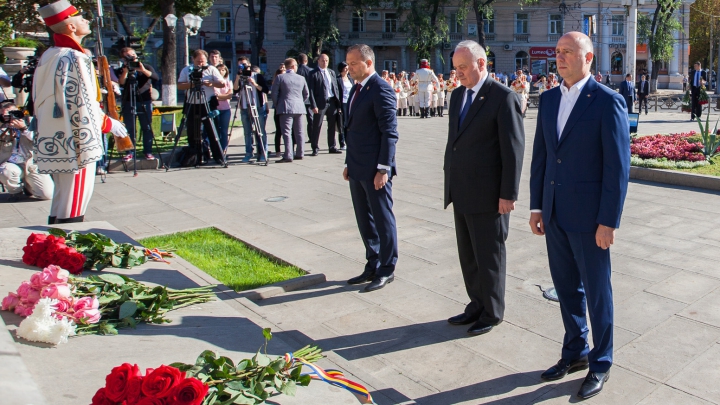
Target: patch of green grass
(710, 170)
(225, 258)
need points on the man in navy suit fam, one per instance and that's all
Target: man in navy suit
(642, 93)
(371, 135)
(578, 182)
(627, 90)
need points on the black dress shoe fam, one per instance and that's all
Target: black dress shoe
(593, 384)
(462, 319)
(334, 150)
(479, 328)
(283, 160)
(379, 282)
(363, 278)
(563, 367)
(315, 152)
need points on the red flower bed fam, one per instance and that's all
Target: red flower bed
(672, 147)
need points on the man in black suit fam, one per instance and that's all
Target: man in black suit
(304, 71)
(483, 161)
(324, 101)
(371, 135)
(697, 80)
(642, 94)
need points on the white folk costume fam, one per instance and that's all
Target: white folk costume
(401, 94)
(451, 84)
(426, 80)
(70, 122)
(522, 88)
(440, 97)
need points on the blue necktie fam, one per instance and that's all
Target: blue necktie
(466, 107)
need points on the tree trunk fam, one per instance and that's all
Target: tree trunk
(480, 19)
(654, 76)
(120, 14)
(257, 29)
(168, 59)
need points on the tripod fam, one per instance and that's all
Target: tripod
(255, 124)
(132, 98)
(196, 97)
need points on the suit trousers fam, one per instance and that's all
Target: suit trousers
(376, 222)
(481, 249)
(642, 100)
(580, 272)
(291, 126)
(630, 105)
(696, 108)
(330, 110)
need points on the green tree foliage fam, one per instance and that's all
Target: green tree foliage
(312, 22)
(659, 34)
(701, 20)
(426, 23)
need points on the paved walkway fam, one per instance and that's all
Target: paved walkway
(396, 341)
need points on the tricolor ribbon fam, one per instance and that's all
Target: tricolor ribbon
(157, 255)
(332, 377)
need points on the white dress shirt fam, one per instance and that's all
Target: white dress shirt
(567, 103)
(476, 89)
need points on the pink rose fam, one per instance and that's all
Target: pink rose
(63, 305)
(33, 297)
(86, 303)
(57, 274)
(57, 291)
(87, 316)
(24, 289)
(10, 302)
(23, 309)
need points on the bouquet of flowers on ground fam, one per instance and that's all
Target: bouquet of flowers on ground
(101, 304)
(703, 97)
(216, 380)
(43, 250)
(686, 105)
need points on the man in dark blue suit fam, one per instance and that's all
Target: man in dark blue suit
(578, 182)
(371, 135)
(627, 90)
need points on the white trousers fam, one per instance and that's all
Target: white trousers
(72, 192)
(425, 98)
(12, 176)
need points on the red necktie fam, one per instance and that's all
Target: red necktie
(357, 91)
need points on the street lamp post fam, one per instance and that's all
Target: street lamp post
(192, 27)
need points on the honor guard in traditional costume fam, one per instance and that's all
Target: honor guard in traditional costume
(400, 88)
(440, 95)
(412, 94)
(71, 124)
(426, 81)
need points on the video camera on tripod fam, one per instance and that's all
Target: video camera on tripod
(195, 75)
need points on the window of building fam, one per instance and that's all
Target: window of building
(521, 23)
(618, 25)
(489, 25)
(522, 61)
(390, 65)
(616, 63)
(454, 25)
(224, 21)
(358, 21)
(391, 22)
(556, 24)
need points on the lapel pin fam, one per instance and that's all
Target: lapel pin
(588, 95)
(367, 88)
(482, 98)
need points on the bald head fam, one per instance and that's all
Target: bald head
(574, 55)
(583, 41)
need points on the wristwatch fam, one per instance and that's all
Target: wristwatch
(382, 171)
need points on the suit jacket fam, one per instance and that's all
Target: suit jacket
(304, 71)
(643, 89)
(318, 93)
(483, 158)
(627, 93)
(583, 176)
(691, 79)
(289, 92)
(371, 130)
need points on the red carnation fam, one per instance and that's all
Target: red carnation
(100, 398)
(161, 382)
(116, 383)
(190, 391)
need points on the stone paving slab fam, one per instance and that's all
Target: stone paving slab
(397, 340)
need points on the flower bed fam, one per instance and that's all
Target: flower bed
(675, 147)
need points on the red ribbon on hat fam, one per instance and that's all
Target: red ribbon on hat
(52, 20)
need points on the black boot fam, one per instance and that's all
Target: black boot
(440, 111)
(81, 218)
(398, 112)
(422, 112)
(52, 220)
(411, 111)
(405, 112)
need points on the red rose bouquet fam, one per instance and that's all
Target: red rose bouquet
(43, 250)
(161, 386)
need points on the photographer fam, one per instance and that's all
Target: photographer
(142, 75)
(246, 76)
(17, 169)
(207, 78)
